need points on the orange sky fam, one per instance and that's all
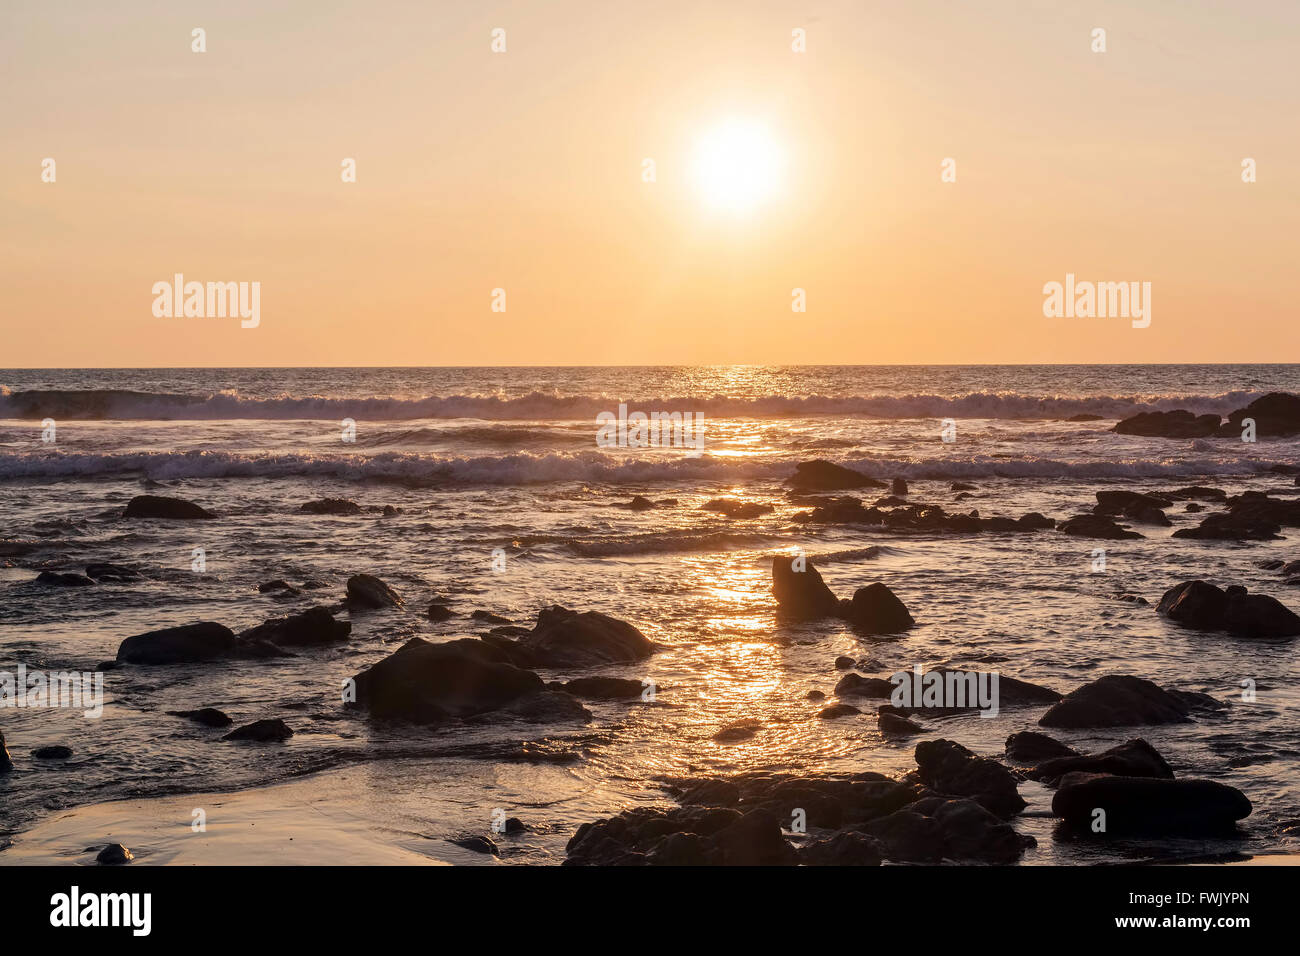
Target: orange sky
(522, 171)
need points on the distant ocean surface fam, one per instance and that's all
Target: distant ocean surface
(480, 459)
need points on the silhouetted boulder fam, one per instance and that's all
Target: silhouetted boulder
(565, 638)
(949, 768)
(440, 612)
(844, 848)
(1116, 700)
(1095, 526)
(207, 716)
(855, 685)
(1276, 415)
(1142, 805)
(262, 731)
(1029, 746)
(802, 595)
(156, 506)
(821, 475)
(367, 591)
(52, 752)
(970, 832)
(1204, 607)
(1177, 424)
(63, 579)
(311, 628)
(179, 645)
(876, 610)
(892, 725)
(1133, 758)
(331, 506)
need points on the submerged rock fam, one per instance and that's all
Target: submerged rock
(440, 612)
(367, 591)
(53, 752)
(1133, 758)
(892, 725)
(1095, 526)
(179, 645)
(1176, 424)
(1142, 805)
(604, 688)
(1116, 700)
(63, 579)
(734, 508)
(263, 731)
(1028, 746)
(207, 716)
(102, 571)
(331, 506)
(156, 506)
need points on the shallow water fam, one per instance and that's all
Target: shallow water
(484, 459)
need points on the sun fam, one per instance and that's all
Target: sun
(737, 165)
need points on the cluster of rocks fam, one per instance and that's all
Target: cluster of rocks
(913, 517)
(1251, 516)
(1204, 607)
(208, 640)
(1276, 415)
(801, 594)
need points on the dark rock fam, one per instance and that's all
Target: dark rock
(278, 584)
(712, 793)
(1193, 508)
(1095, 526)
(548, 706)
(801, 595)
(740, 731)
(961, 486)
(898, 486)
(1128, 502)
(1141, 805)
(892, 725)
(855, 685)
(489, 618)
(844, 848)
(439, 612)
(1116, 700)
(843, 662)
(970, 832)
(430, 683)
(604, 688)
(103, 571)
(815, 695)
(63, 579)
(1232, 527)
(947, 767)
(1178, 424)
(733, 508)
(1029, 746)
(311, 628)
(155, 506)
(114, 855)
(1276, 415)
(1204, 607)
(838, 710)
(207, 716)
(754, 840)
(54, 752)
(6, 764)
(876, 610)
(1133, 758)
(367, 591)
(639, 503)
(178, 645)
(823, 475)
(1084, 417)
(477, 844)
(907, 837)
(331, 506)
(681, 849)
(263, 731)
(565, 638)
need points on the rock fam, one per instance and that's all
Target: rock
(311, 628)
(734, 508)
(1141, 805)
(681, 849)
(1276, 414)
(1095, 526)
(815, 695)
(6, 764)
(1193, 508)
(63, 579)
(898, 486)
(331, 506)
(907, 837)
(1204, 607)
(843, 662)
(489, 618)
(754, 840)
(1128, 502)
(604, 688)
(891, 725)
(1084, 417)
(801, 595)
(103, 571)
(262, 731)
(1133, 758)
(367, 591)
(478, 844)
(1177, 424)
(207, 716)
(838, 710)
(1029, 746)
(267, 587)
(1116, 700)
(54, 752)
(156, 506)
(876, 610)
(565, 638)
(430, 683)
(739, 731)
(440, 612)
(949, 768)
(961, 486)
(844, 848)
(639, 503)
(855, 685)
(971, 832)
(178, 645)
(1035, 521)
(114, 855)
(712, 793)
(548, 706)
(823, 475)
(1232, 527)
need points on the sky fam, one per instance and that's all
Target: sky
(524, 171)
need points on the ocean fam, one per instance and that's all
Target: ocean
(505, 502)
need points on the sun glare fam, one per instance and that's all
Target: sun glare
(737, 165)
